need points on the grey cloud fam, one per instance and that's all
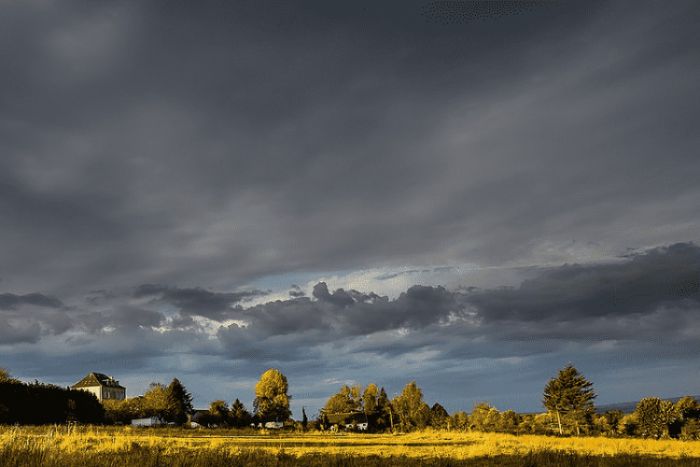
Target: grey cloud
(24, 318)
(296, 292)
(9, 301)
(197, 301)
(642, 284)
(443, 130)
(640, 297)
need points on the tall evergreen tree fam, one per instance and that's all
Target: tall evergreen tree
(179, 402)
(439, 418)
(385, 410)
(569, 394)
(239, 416)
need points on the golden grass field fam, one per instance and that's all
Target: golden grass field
(50, 444)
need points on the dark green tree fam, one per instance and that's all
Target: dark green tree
(613, 419)
(688, 411)
(179, 402)
(439, 418)
(385, 414)
(219, 412)
(570, 395)
(460, 420)
(304, 419)
(239, 416)
(508, 422)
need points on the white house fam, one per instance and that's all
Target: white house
(103, 386)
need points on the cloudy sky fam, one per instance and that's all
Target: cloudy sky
(468, 194)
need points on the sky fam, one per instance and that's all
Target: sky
(467, 194)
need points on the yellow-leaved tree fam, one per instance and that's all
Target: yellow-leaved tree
(271, 398)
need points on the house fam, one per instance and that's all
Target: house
(102, 386)
(355, 419)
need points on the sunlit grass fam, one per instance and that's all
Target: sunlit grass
(50, 444)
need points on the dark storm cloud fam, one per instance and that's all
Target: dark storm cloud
(562, 308)
(197, 301)
(154, 143)
(649, 295)
(9, 301)
(655, 292)
(668, 276)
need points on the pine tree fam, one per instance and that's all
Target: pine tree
(239, 416)
(179, 402)
(304, 419)
(569, 394)
(384, 408)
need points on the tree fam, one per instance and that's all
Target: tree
(344, 401)
(271, 398)
(609, 422)
(688, 411)
(687, 408)
(5, 377)
(239, 416)
(460, 420)
(154, 402)
(179, 402)
(369, 398)
(439, 418)
(413, 412)
(508, 422)
(122, 411)
(304, 419)
(654, 417)
(384, 411)
(569, 394)
(219, 412)
(484, 417)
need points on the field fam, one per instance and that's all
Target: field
(93, 446)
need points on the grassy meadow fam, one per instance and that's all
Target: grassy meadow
(118, 446)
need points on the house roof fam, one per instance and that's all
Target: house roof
(97, 379)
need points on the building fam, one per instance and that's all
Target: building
(103, 386)
(355, 419)
(148, 421)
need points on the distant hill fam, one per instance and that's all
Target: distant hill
(628, 407)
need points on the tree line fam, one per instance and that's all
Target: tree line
(38, 404)
(568, 399)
